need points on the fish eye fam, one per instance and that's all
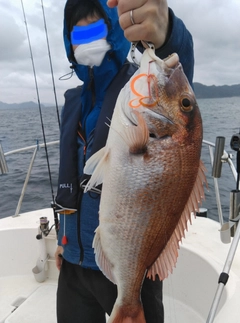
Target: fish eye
(186, 104)
(152, 135)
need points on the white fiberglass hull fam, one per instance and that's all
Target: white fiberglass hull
(188, 292)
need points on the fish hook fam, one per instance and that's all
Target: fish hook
(133, 47)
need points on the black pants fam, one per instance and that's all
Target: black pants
(85, 295)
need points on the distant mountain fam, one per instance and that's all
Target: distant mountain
(29, 104)
(202, 92)
(213, 91)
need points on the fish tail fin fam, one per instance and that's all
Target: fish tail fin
(129, 314)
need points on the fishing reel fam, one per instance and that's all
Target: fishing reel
(44, 228)
(235, 142)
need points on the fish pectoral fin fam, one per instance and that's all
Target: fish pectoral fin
(101, 260)
(168, 258)
(136, 136)
(97, 166)
(94, 160)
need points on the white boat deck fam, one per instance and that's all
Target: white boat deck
(29, 301)
(20, 293)
(188, 292)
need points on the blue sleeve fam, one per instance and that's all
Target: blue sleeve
(179, 41)
(68, 182)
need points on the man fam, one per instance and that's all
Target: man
(97, 40)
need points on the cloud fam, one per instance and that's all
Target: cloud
(12, 38)
(17, 80)
(215, 28)
(214, 25)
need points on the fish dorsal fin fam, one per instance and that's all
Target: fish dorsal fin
(97, 166)
(101, 260)
(168, 258)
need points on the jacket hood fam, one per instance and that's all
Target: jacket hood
(114, 58)
(95, 84)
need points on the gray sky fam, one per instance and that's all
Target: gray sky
(214, 24)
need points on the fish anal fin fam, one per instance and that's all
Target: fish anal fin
(96, 165)
(168, 258)
(101, 260)
(166, 261)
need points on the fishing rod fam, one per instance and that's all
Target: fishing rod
(50, 62)
(40, 113)
(223, 278)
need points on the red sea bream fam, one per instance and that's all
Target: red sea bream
(152, 180)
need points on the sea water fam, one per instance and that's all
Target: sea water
(22, 127)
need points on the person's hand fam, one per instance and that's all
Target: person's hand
(58, 257)
(150, 19)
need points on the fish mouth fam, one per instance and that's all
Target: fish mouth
(169, 63)
(172, 61)
(166, 67)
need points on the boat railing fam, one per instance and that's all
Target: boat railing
(225, 158)
(4, 168)
(3, 163)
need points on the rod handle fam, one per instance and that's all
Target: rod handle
(217, 162)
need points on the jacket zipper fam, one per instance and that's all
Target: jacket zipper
(81, 135)
(92, 89)
(78, 231)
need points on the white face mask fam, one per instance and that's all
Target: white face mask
(91, 54)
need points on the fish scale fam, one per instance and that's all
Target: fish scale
(152, 180)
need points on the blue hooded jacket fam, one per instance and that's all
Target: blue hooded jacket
(103, 74)
(83, 128)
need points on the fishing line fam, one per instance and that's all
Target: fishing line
(50, 62)
(40, 110)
